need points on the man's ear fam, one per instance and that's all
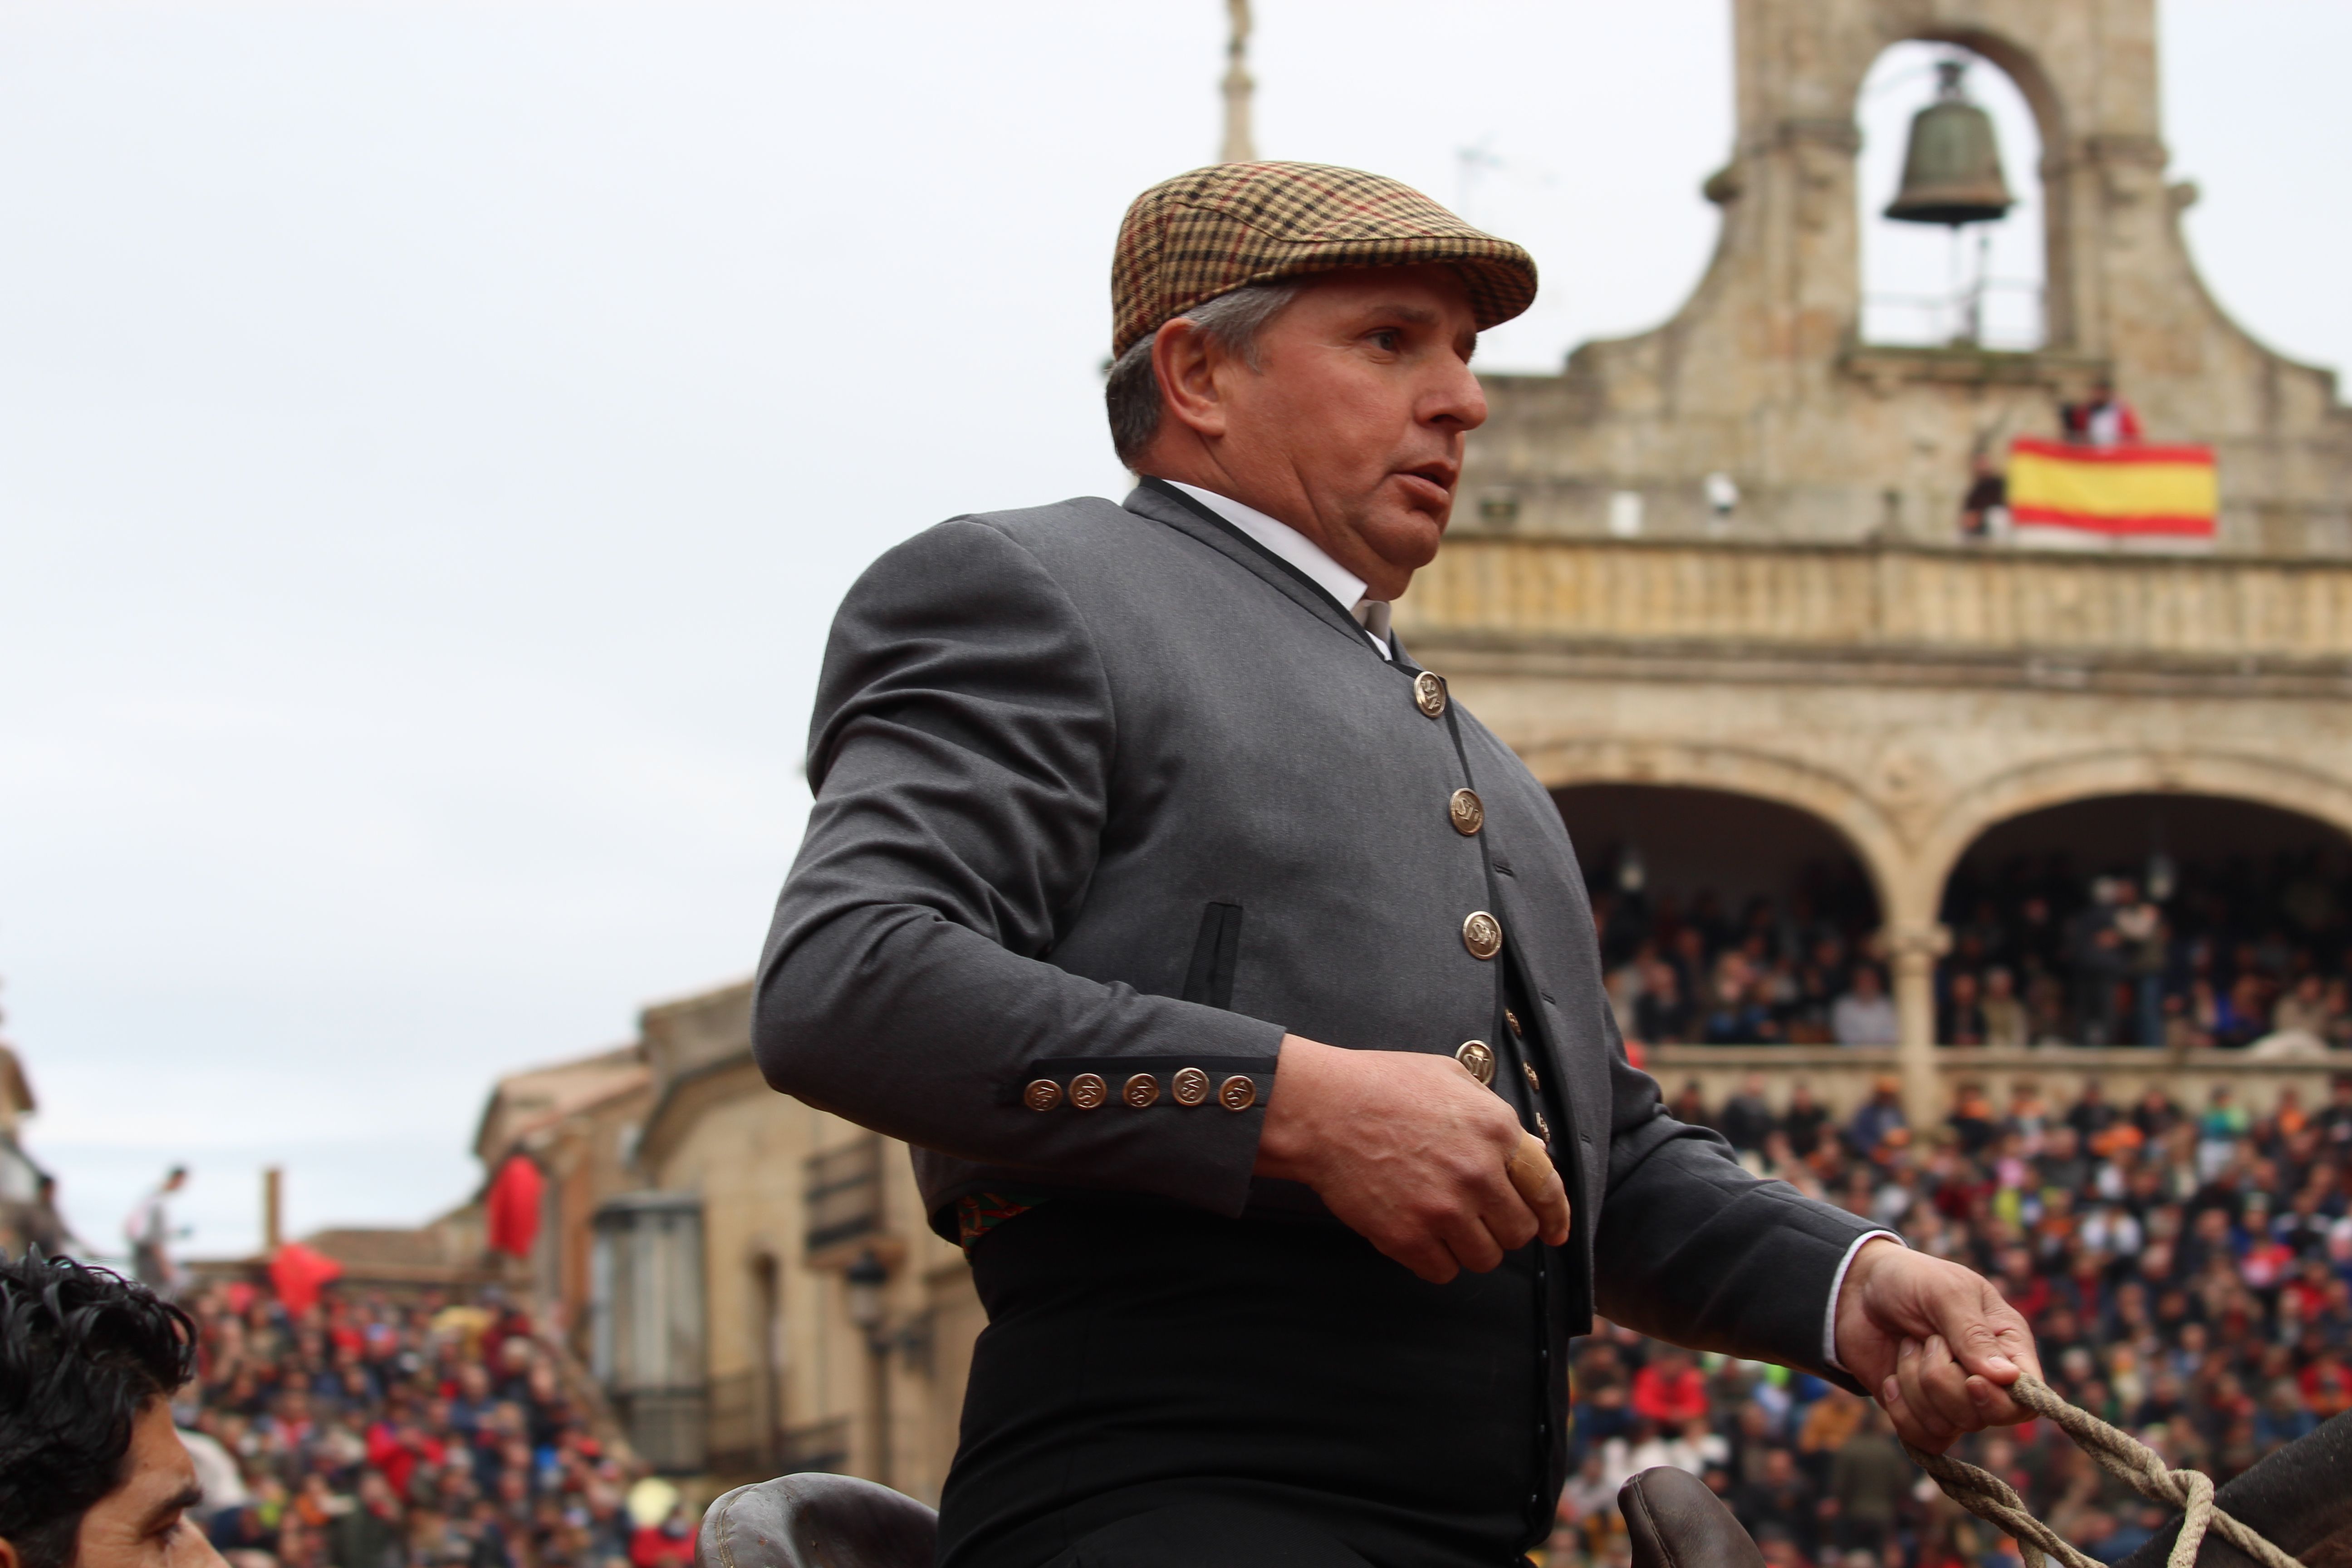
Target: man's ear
(1185, 363)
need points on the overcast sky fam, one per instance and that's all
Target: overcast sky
(433, 437)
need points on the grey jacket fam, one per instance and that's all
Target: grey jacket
(1113, 789)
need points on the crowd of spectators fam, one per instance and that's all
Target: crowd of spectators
(2041, 953)
(2186, 1271)
(369, 1434)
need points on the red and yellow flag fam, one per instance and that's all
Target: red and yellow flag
(2168, 492)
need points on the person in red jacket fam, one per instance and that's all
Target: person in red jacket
(1669, 1390)
(669, 1544)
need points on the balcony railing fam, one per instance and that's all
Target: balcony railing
(1842, 1077)
(1827, 598)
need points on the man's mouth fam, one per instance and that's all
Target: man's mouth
(1432, 482)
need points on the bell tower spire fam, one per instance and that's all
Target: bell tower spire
(1239, 147)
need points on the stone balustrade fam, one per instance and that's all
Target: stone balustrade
(1840, 1078)
(1961, 604)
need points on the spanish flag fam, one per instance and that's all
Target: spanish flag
(2122, 492)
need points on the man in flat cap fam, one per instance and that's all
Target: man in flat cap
(1237, 989)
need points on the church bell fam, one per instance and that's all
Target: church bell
(1951, 171)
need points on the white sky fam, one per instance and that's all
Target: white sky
(433, 437)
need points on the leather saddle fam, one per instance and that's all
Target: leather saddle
(839, 1522)
(816, 1520)
(1675, 1522)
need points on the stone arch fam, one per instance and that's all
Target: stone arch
(1864, 826)
(2264, 781)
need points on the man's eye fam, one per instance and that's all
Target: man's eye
(1387, 339)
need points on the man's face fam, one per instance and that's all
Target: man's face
(144, 1522)
(1351, 429)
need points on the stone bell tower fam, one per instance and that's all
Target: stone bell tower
(1763, 375)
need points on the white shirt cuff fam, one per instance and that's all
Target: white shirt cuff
(1837, 1284)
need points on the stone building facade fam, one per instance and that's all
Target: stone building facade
(1826, 645)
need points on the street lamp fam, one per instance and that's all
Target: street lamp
(865, 1277)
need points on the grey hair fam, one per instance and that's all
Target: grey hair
(1231, 321)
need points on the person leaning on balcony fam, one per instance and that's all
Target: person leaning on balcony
(1236, 986)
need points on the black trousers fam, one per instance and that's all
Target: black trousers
(1162, 1388)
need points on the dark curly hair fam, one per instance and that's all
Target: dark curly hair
(82, 1352)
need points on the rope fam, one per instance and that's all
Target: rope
(1991, 1499)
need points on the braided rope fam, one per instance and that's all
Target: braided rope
(1991, 1499)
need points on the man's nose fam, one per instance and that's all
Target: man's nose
(1457, 401)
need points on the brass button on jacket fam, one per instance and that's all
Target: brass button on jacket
(1466, 811)
(1534, 1082)
(1429, 694)
(1189, 1087)
(1087, 1090)
(1043, 1094)
(1237, 1093)
(1482, 934)
(1140, 1090)
(1512, 1020)
(1479, 1057)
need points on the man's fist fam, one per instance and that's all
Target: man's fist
(1936, 1341)
(1413, 1153)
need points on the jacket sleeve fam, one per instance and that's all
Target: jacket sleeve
(1692, 1249)
(962, 753)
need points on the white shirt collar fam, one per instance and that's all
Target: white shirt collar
(1303, 552)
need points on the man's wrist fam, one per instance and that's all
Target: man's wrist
(1848, 1290)
(1286, 1137)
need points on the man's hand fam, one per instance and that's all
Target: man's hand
(1934, 1340)
(1413, 1153)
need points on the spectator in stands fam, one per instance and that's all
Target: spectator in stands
(1748, 1118)
(2005, 1025)
(1866, 1015)
(93, 1473)
(1670, 1391)
(2303, 1009)
(1879, 1119)
(1870, 1480)
(2188, 1278)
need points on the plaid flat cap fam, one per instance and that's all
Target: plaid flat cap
(1206, 233)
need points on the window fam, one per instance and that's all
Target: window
(844, 1193)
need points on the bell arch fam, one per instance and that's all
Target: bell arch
(1911, 288)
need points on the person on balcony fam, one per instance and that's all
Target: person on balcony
(2102, 419)
(1865, 1015)
(1212, 954)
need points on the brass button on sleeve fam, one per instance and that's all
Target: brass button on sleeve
(1482, 934)
(1189, 1087)
(1512, 1020)
(1043, 1094)
(1237, 1093)
(1429, 694)
(1466, 811)
(1543, 1129)
(1534, 1082)
(1140, 1090)
(1087, 1090)
(1479, 1057)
